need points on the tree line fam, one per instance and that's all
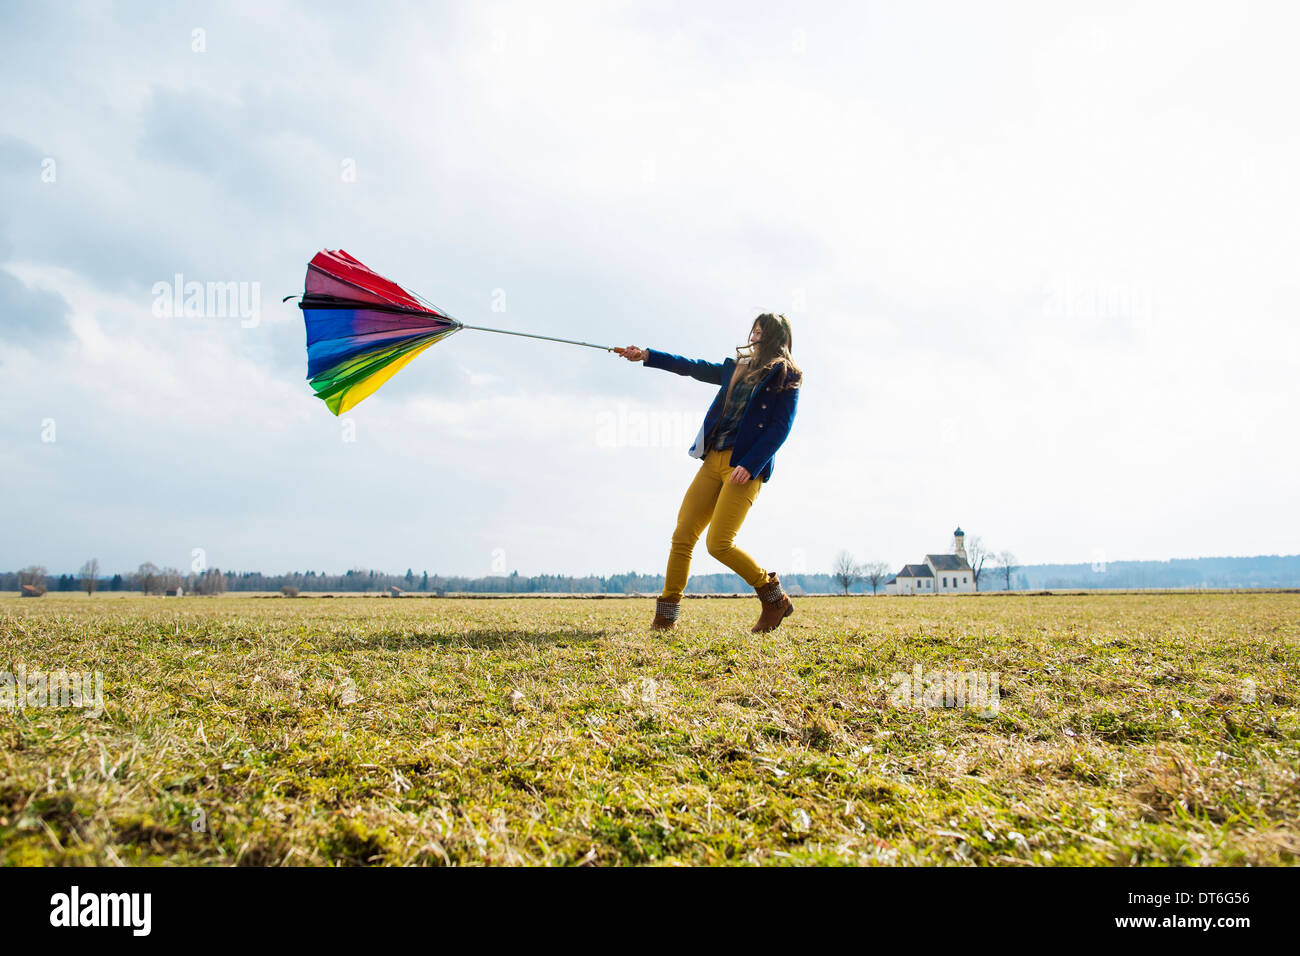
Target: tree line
(149, 578)
(848, 576)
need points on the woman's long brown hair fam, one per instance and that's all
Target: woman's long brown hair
(773, 350)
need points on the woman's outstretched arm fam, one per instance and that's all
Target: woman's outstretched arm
(712, 372)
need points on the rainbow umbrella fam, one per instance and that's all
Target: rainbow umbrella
(362, 329)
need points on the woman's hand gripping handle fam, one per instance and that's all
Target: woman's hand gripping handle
(634, 354)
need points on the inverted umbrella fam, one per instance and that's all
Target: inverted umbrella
(362, 329)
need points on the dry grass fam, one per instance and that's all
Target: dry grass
(354, 731)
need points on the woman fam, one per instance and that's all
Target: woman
(747, 422)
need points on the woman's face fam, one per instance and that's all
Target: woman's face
(755, 334)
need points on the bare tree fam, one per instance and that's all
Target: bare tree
(208, 581)
(847, 572)
(171, 580)
(148, 578)
(90, 576)
(976, 554)
(35, 576)
(875, 572)
(1008, 566)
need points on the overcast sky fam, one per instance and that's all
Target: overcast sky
(1039, 259)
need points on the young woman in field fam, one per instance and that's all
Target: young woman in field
(749, 419)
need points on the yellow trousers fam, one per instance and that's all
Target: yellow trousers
(712, 501)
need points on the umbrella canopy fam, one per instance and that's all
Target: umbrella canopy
(361, 329)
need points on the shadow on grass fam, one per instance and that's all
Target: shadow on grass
(486, 638)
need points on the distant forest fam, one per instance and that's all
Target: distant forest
(1269, 571)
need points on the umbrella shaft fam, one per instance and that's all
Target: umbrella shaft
(529, 335)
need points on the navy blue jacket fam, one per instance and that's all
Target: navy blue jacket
(764, 424)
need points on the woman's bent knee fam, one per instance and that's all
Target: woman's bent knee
(720, 546)
(685, 539)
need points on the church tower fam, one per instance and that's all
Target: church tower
(959, 543)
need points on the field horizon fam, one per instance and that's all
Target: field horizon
(642, 595)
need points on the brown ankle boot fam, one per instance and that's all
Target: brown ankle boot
(776, 606)
(665, 615)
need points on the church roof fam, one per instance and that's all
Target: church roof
(915, 571)
(947, 562)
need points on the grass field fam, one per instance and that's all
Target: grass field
(1129, 729)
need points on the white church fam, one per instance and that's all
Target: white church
(938, 574)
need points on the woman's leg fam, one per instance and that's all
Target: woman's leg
(729, 513)
(694, 515)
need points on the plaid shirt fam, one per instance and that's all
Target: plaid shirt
(724, 433)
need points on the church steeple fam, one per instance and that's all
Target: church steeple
(959, 543)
